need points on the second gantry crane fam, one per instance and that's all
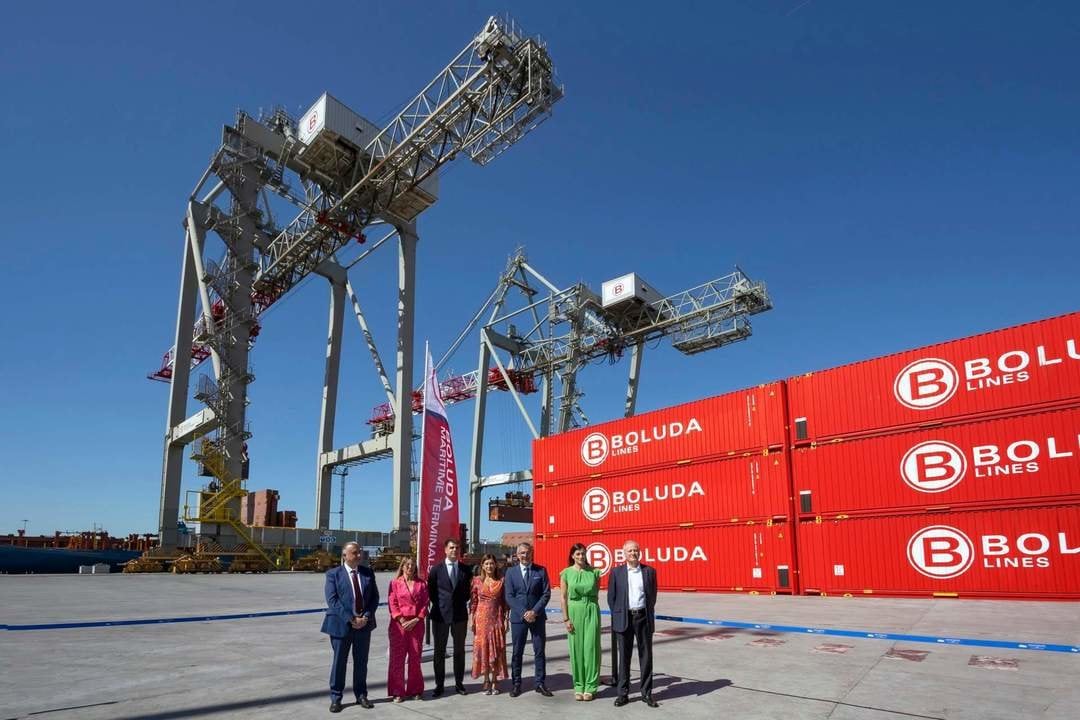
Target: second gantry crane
(543, 343)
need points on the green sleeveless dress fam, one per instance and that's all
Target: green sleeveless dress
(582, 588)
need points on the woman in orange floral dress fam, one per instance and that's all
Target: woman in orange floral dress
(490, 622)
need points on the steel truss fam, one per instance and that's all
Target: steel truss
(555, 334)
(498, 88)
(560, 331)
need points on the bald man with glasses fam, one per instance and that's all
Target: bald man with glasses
(631, 597)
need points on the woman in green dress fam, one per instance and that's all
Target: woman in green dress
(580, 585)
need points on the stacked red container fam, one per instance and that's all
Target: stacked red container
(703, 487)
(264, 507)
(949, 470)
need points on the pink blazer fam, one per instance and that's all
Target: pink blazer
(404, 604)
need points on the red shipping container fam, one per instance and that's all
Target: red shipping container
(1026, 366)
(1024, 459)
(729, 558)
(749, 486)
(749, 419)
(1021, 553)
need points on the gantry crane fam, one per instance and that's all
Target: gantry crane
(556, 332)
(559, 331)
(346, 177)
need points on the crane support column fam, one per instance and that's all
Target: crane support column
(173, 463)
(475, 469)
(635, 376)
(335, 274)
(401, 440)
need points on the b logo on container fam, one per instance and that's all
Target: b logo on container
(596, 504)
(933, 466)
(599, 556)
(926, 384)
(940, 552)
(594, 449)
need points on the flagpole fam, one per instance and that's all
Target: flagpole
(420, 490)
(423, 429)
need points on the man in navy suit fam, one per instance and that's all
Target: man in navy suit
(449, 585)
(631, 597)
(527, 592)
(351, 600)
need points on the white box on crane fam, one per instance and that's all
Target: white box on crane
(627, 289)
(329, 120)
(329, 126)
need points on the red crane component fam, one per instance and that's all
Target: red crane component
(260, 301)
(342, 227)
(454, 389)
(522, 380)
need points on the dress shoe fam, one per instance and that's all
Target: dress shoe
(516, 691)
(335, 707)
(460, 690)
(649, 701)
(364, 703)
(621, 700)
(437, 692)
(543, 691)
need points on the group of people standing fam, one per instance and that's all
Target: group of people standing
(489, 604)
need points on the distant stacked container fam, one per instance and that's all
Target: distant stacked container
(702, 487)
(247, 509)
(264, 508)
(949, 470)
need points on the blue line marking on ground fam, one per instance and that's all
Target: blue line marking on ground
(792, 629)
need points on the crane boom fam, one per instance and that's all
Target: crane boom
(494, 92)
(498, 88)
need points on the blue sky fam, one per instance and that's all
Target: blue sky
(897, 173)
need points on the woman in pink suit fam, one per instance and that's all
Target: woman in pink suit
(408, 600)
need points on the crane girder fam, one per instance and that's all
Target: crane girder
(498, 88)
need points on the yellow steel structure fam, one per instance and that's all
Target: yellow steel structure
(213, 501)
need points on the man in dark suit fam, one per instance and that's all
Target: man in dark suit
(631, 597)
(449, 584)
(527, 590)
(351, 600)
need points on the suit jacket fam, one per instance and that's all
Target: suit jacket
(404, 604)
(449, 603)
(524, 595)
(339, 600)
(618, 597)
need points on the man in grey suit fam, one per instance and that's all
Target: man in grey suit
(631, 597)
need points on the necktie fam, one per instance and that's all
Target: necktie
(524, 573)
(452, 567)
(359, 603)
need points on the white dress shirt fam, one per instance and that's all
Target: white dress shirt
(525, 572)
(635, 588)
(452, 571)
